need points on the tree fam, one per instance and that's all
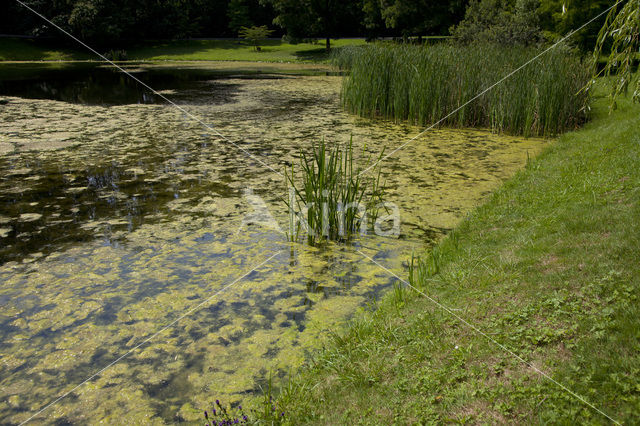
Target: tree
(100, 22)
(372, 17)
(421, 17)
(559, 17)
(255, 34)
(309, 18)
(109, 22)
(500, 21)
(238, 14)
(622, 29)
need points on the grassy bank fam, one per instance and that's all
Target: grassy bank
(549, 267)
(177, 50)
(424, 85)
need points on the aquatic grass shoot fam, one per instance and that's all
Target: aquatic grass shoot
(423, 84)
(333, 201)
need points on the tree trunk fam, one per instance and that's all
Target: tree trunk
(328, 45)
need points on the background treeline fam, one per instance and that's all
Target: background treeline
(121, 21)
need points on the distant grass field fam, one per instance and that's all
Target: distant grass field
(549, 268)
(235, 50)
(12, 49)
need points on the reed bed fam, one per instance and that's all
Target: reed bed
(424, 84)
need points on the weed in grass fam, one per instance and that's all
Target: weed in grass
(399, 295)
(424, 268)
(269, 414)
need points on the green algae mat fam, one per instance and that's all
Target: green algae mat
(123, 230)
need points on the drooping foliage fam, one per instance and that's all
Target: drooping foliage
(560, 17)
(622, 30)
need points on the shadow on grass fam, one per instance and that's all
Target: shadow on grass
(25, 49)
(150, 49)
(315, 55)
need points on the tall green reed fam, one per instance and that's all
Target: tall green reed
(333, 199)
(423, 84)
(342, 57)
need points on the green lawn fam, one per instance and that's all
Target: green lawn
(549, 268)
(179, 50)
(229, 50)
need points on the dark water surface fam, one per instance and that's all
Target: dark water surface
(96, 84)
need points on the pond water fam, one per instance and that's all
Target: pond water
(123, 230)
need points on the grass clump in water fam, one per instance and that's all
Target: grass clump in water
(425, 85)
(335, 199)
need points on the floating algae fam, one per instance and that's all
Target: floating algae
(117, 221)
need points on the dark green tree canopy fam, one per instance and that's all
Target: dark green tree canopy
(559, 17)
(505, 22)
(317, 18)
(421, 17)
(110, 22)
(238, 14)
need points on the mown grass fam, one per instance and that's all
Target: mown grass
(425, 84)
(179, 50)
(236, 50)
(549, 267)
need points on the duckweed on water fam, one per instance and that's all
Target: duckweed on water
(139, 222)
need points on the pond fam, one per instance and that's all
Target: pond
(135, 278)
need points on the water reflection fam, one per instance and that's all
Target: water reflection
(94, 84)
